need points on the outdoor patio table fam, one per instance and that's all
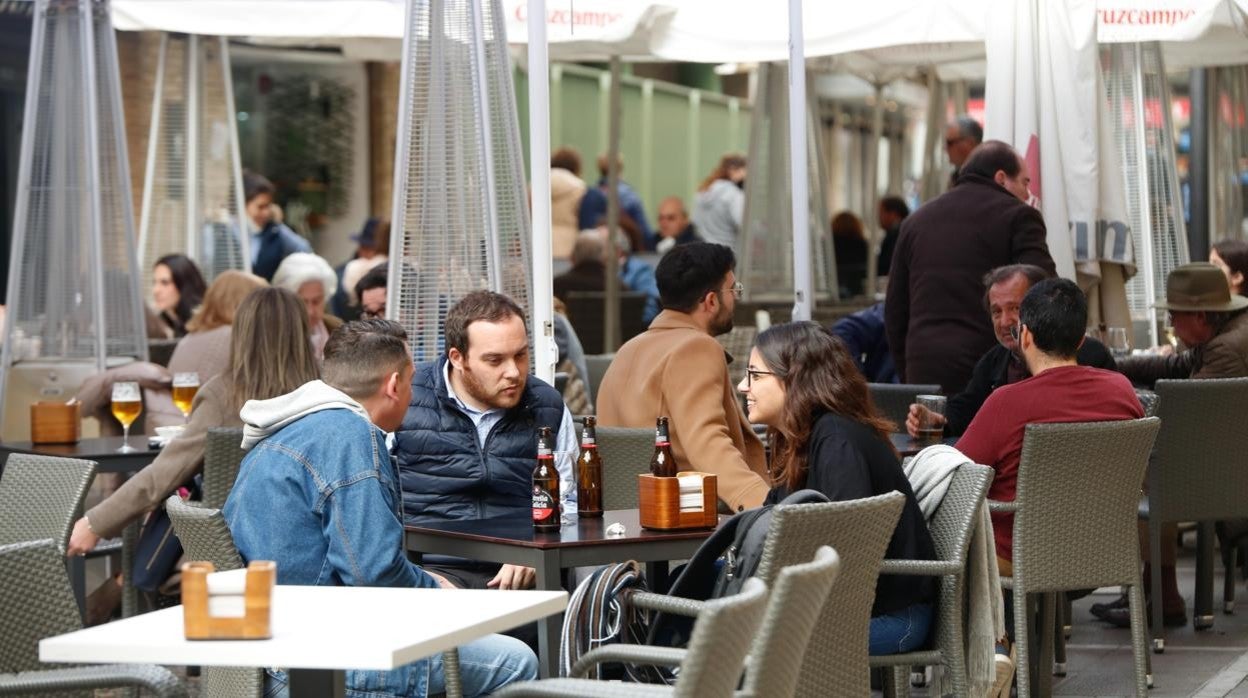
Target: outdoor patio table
(318, 632)
(907, 446)
(102, 450)
(580, 543)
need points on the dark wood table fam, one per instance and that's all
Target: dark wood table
(907, 446)
(102, 450)
(579, 544)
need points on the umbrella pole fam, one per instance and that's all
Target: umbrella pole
(611, 311)
(803, 300)
(546, 353)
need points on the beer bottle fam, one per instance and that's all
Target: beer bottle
(662, 463)
(545, 485)
(589, 474)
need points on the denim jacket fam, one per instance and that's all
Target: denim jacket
(321, 498)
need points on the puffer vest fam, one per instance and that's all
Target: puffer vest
(444, 471)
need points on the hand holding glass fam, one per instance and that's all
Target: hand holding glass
(1116, 338)
(185, 385)
(127, 405)
(931, 419)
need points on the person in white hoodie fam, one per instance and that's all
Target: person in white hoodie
(318, 494)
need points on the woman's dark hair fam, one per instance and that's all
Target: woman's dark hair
(1235, 254)
(190, 285)
(818, 376)
(688, 272)
(847, 225)
(731, 161)
(567, 158)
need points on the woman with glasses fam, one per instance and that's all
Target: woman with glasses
(826, 435)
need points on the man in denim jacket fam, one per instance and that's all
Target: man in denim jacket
(325, 443)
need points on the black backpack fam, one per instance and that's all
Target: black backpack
(739, 542)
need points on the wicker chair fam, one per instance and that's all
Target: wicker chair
(625, 454)
(597, 365)
(709, 668)
(737, 343)
(894, 399)
(1148, 400)
(776, 656)
(35, 603)
(1198, 473)
(1074, 527)
(951, 528)
(859, 531)
(222, 458)
(40, 497)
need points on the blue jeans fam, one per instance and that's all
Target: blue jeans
(900, 631)
(485, 666)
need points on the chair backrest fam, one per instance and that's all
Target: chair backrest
(204, 534)
(206, 538)
(597, 365)
(737, 342)
(585, 314)
(893, 400)
(222, 457)
(1200, 469)
(776, 657)
(35, 602)
(40, 497)
(859, 531)
(625, 453)
(1149, 401)
(721, 637)
(1078, 496)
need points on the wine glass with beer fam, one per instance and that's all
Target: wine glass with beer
(127, 405)
(185, 385)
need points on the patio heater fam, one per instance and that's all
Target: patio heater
(1228, 134)
(74, 305)
(766, 247)
(461, 220)
(193, 184)
(1138, 96)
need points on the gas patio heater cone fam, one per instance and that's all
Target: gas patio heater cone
(461, 220)
(74, 304)
(193, 183)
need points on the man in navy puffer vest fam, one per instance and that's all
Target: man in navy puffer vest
(468, 443)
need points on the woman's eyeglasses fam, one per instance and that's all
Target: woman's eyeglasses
(752, 374)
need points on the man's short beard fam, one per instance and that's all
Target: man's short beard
(479, 393)
(718, 326)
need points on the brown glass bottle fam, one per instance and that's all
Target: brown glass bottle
(589, 474)
(545, 485)
(662, 463)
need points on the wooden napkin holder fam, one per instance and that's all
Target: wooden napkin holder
(660, 502)
(201, 606)
(55, 423)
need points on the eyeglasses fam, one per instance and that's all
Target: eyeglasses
(737, 289)
(378, 314)
(752, 374)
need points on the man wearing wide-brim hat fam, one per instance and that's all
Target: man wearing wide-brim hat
(1212, 324)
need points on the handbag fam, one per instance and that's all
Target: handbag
(158, 549)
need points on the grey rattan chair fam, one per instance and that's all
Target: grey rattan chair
(205, 537)
(894, 399)
(1074, 527)
(859, 531)
(710, 668)
(1149, 401)
(625, 454)
(951, 528)
(737, 343)
(776, 656)
(597, 365)
(1199, 472)
(35, 603)
(222, 457)
(40, 497)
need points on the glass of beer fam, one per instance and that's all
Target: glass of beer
(931, 431)
(185, 385)
(127, 405)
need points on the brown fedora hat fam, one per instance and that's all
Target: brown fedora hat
(1200, 286)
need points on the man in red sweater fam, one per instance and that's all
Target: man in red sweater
(1052, 319)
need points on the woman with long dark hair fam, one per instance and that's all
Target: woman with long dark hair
(177, 289)
(826, 435)
(1231, 256)
(719, 205)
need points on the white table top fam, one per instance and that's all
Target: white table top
(318, 628)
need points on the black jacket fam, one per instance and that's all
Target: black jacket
(934, 314)
(992, 372)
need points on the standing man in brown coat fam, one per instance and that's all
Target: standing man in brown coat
(677, 369)
(934, 314)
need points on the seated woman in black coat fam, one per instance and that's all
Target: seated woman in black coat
(826, 435)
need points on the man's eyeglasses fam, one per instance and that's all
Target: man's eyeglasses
(737, 289)
(373, 314)
(752, 374)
